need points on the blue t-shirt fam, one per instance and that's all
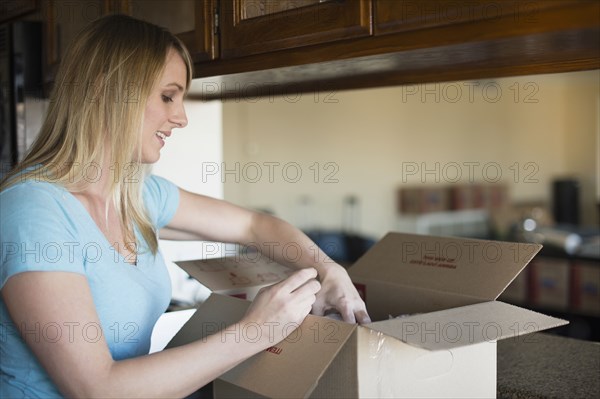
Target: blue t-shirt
(43, 227)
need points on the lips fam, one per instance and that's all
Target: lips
(161, 135)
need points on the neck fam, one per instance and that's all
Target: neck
(99, 178)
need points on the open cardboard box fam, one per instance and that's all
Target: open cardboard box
(443, 345)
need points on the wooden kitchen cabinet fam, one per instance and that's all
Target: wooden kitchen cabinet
(412, 42)
(249, 48)
(262, 26)
(193, 21)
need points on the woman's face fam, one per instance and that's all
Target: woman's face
(164, 109)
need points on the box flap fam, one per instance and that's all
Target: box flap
(289, 369)
(214, 314)
(475, 268)
(447, 329)
(385, 301)
(293, 368)
(235, 272)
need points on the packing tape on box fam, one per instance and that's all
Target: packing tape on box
(380, 356)
(383, 368)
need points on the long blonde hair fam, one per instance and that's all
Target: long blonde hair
(98, 99)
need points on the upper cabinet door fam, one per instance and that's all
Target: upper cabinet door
(393, 16)
(64, 20)
(260, 26)
(191, 20)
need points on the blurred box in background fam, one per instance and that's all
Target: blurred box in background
(585, 287)
(434, 198)
(549, 283)
(416, 200)
(478, 196)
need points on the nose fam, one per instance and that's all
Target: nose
(179, 117)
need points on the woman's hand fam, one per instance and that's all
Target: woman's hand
(280, 308)
(338, 292)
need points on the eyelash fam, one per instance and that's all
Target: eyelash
(167, 99)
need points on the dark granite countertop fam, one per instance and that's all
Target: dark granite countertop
(548, 366)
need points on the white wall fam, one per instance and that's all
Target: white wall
(365, 141)
(189, 149)
(182, 160)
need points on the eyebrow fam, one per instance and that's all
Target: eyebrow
(179, 87)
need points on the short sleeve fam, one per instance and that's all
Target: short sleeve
(36, 232)
(161, 198)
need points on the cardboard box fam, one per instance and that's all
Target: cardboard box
(444, 347)
(549, 283)
(240, 276)
(585, 287)
(478, 196)
(417, 200)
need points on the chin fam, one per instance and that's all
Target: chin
(150, 159)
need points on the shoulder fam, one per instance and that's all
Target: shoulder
(38, 225)
(32, 185)
(154, 184)
(30, 196)
(161, 198)
(158, 190)
(27, 205)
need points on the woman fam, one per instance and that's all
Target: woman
(82, 280)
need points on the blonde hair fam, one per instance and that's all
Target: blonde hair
(98, 99)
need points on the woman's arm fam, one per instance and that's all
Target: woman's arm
(200, 217)
(84, 368)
